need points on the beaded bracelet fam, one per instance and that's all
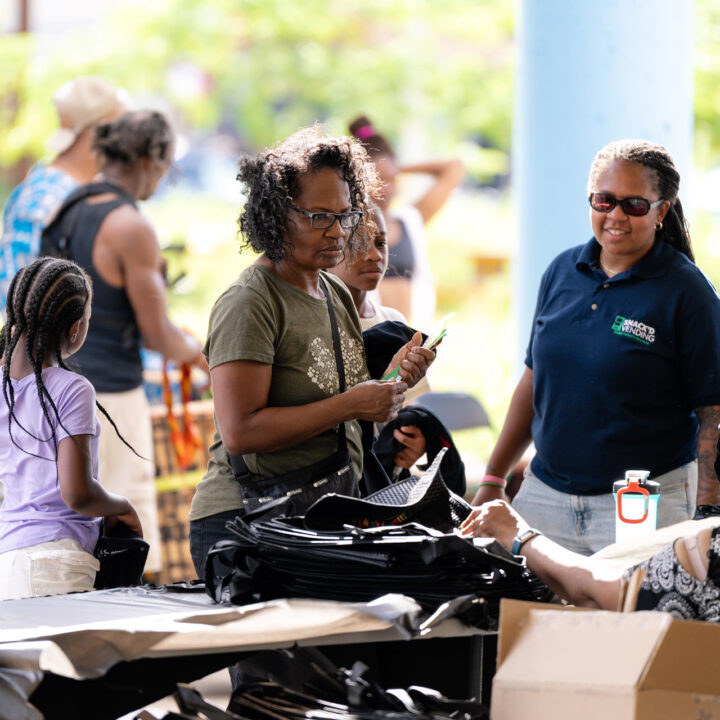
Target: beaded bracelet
(494, 480)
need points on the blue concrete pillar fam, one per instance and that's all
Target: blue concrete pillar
(589, 73)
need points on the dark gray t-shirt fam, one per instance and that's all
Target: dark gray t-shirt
(262, 318)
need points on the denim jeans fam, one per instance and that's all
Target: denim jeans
(586, 523)
(204, 533)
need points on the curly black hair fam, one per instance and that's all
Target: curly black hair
(271, 181)
(132, 136)
(663, 176)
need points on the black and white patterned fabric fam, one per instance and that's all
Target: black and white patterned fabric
(668, 587)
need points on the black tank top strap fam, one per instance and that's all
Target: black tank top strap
(100, 187)
(57, 235)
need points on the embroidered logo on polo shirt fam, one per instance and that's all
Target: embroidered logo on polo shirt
(633, 329)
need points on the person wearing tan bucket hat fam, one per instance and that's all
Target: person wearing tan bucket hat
(81, 104)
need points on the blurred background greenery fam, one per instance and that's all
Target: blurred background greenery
(236, 75)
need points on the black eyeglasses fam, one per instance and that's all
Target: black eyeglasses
(325, 220)
(633, 206)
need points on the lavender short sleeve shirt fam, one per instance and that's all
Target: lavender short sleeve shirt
(33, 510)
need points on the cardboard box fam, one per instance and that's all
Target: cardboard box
(557, 663)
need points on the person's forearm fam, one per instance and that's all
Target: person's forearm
(277, 428)
(514, 439)
(573, 577)
(708, 486)
(174, 343)
(452, 167)
(92, 500)
(446, 175)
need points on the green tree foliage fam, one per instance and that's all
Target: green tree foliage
(707, 88)
(266, 67)
(275, 65)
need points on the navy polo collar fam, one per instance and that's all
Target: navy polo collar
(652, 265)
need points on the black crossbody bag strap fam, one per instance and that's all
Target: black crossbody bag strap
(239, 468)
(342, 441)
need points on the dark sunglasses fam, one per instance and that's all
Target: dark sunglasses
(632, 206)
(325, 220)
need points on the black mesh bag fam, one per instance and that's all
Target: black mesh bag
(426, 500)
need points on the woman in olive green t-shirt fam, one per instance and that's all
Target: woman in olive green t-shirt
(272, 366)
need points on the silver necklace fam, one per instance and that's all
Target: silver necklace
(606, 270)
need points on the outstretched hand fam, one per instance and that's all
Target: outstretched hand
(494, 519)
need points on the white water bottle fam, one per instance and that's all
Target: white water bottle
(636, 501)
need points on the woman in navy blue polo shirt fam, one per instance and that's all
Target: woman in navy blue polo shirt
(623, 365)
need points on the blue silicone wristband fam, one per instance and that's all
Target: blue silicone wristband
(521, 539)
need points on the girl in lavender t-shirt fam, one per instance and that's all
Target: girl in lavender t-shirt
(53, 504)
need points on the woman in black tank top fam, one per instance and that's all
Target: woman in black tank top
(113, 243)
(118, 249)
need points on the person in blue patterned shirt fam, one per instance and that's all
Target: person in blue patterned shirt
(81, 104)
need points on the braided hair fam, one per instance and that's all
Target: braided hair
(271, 180)
(45, 299)
(664, 178)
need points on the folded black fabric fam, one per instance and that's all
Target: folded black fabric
(426, 500)
(281, 558)
(382, 341)
(374, 476)
(437, 437)
(193, 706)
(270, 701)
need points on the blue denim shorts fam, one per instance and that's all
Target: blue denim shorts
(586, 523)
